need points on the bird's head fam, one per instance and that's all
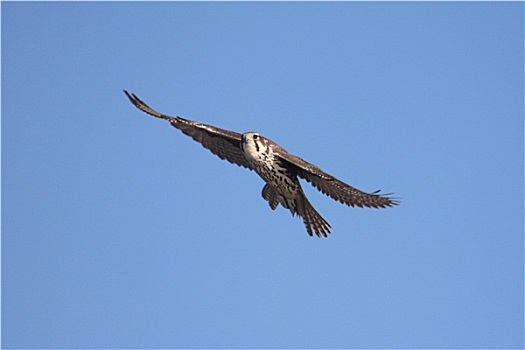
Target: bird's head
(252, 143)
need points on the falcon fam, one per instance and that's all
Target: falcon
(279, 169)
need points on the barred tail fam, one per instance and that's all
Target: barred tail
(313, 221)
(299, 205)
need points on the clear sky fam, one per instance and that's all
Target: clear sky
(118, 231)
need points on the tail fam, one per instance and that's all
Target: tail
(313, 221)
(300, 205)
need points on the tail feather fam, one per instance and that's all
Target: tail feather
(300, 205)
(313, 221)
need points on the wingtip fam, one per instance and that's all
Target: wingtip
(134, 99)
(392, 201)
(128, 95)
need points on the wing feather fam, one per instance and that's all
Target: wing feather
(223, 143)
(334, 188)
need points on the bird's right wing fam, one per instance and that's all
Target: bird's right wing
(223, 143)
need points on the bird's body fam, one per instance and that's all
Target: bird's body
(282, 185)
(278, 168)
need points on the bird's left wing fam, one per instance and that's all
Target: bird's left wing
(223, 143)
(333, 187)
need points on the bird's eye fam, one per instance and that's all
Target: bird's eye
(255, 137)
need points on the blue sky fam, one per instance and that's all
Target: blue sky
(120, 232)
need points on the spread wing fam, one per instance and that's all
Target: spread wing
(223, 143)
(333, 187)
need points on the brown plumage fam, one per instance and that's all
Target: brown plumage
(278, 168)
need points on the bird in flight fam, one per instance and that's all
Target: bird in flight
(279, 169)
